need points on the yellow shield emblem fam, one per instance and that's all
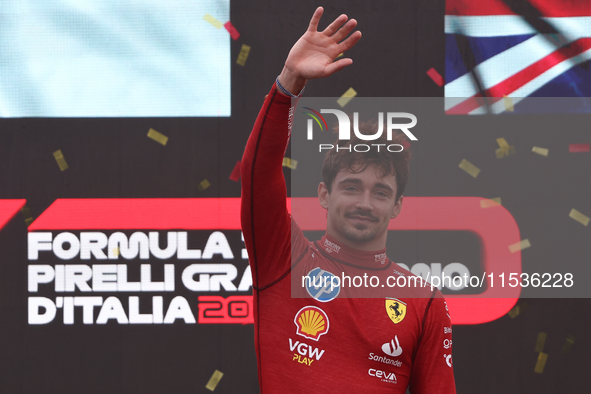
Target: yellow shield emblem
(395, 309)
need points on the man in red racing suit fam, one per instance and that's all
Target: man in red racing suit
(328, 342)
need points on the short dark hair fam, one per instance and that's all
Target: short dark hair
(389, 163)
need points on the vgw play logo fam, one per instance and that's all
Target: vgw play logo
(345, 129)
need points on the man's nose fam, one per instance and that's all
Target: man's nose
(364, 201)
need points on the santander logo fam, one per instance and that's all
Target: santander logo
(391, 348)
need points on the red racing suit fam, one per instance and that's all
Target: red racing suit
(327, 342)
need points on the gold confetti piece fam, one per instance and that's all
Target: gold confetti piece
(244, 51)
(504, 148)
(508, 104)
(519, 246)
(541, 342)
(158, 137)
(540, 151)
(27, 214)
(214, 380)
(61, 161)
(541, 363)
(502, 143)
(346, 97)
(340, 54)
(518, 309)
(116, 251)
(287, 162)
(514, 312)
(568, 344)
(492, 202)
(204, 184)
(217, 24)
(469, 168)
(579, 217)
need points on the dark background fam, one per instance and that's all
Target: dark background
(113, 158)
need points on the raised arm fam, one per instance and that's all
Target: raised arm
(265, 221)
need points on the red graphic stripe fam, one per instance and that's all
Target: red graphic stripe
(541, 66)
(548, 8)
(140, 214)
(9, 208)
(524, 76)
(470, 104)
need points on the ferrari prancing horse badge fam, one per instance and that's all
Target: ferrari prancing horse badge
(395, 309)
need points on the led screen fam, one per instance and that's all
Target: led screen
(114, 58)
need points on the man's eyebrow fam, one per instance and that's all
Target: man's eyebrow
(351, 180)
(358, 181)
(384, 186)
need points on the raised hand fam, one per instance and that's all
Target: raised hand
(313, 54)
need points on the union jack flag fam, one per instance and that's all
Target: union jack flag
(515, 49)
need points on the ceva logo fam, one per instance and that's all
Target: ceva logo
(383, 375)
(345, 128)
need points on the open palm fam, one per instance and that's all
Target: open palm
(314, 53)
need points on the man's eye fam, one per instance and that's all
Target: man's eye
(350, 188)
(382, 194)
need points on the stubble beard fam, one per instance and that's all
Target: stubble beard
(358, 234)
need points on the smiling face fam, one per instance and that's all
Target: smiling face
(360, 206)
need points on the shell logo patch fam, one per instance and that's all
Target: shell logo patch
(395, 309)
(311, 322)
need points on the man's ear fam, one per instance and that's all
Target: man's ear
(397, 207)
(323, 195)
